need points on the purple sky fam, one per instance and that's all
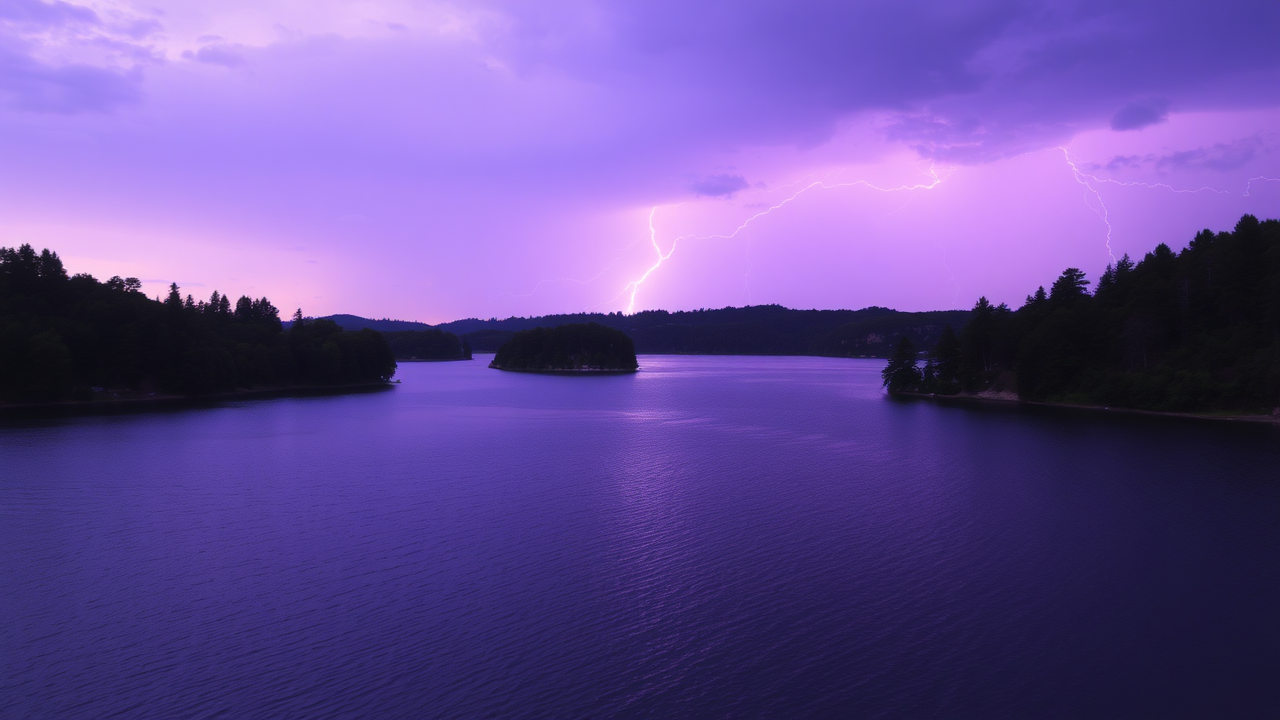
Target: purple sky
(433, 161)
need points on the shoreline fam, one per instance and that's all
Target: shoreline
(1009, 401)
(159, 402)
(564, 372)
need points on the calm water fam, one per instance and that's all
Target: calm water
(711, 537)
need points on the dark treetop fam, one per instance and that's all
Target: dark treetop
(74, 338)
(574, 347)
(1193, 331)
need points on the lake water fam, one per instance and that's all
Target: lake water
(713, 536)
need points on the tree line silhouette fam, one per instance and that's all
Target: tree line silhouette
(75, 338)
(1196, 330)
(752, 330)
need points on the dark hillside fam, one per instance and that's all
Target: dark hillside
(355, 322)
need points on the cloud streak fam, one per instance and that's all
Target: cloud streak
(59, 57)
(723, 185)
(1140, 114)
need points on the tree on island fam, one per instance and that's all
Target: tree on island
(574, 347)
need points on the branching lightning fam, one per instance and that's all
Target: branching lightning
(1085, 179)
(633, 287)
(1101, 210)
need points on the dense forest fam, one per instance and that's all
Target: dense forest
(75, 338)
(573, 347)
(427, 345)
(757, 330)
(1192, 331)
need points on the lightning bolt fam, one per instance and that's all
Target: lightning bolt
(1086, 179)
(1101, 210)
(633, 288)
(1261, 178)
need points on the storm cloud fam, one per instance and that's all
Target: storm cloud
(510, 156)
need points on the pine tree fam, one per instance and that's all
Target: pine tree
(901, 374)
(945, 361)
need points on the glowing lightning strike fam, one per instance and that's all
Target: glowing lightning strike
(634, 286)
(1261, 178)
(1084, 179)
(653, 238)
(1102, 212)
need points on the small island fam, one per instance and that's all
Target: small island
(576, 349)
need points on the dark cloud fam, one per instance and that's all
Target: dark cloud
(1219, 156)
(990, 78)
(719, 185)
(1124, 162)
(140, 28)
(46, 14)
(31, 86)
(224, 55)
(1141, 113)
(29, 83)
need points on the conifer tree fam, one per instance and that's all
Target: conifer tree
(901, 374)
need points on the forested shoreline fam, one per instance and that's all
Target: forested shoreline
(73, 338)
(1190, 331)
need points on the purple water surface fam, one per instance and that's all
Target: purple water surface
(714, 536)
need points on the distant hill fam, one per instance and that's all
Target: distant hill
(355, 322)
(752, 330)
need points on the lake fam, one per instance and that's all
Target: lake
(712, 536)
